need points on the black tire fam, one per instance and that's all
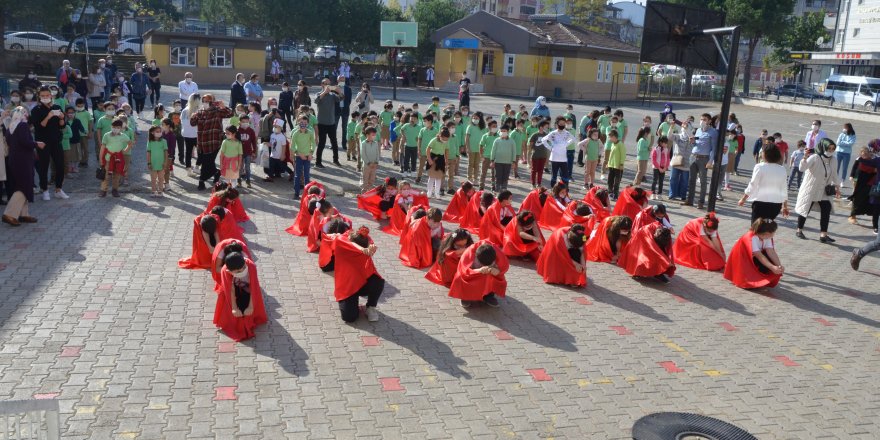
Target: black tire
(674, 426)
(16, 46)
(869, 106)
(128, 52)
(356, 60)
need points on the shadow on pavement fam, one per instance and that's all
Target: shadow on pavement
(605, 296)
(517, 319)
(697, 295)
(811, 305)
(275, 342)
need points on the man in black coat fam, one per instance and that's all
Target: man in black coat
(237, 92)
(342, 112)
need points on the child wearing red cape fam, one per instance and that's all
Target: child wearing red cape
(578, 213)
(631, 201)
(563, 259)
(480, 275)
(227, 227)
(405, 199)
(226, 196)
(218, 258)
(649, 253)
(325, 212)
(551, 216)
(326, 254)
(609, 239)
(380, 199)
(753, 260)
(239, 309)
(652, 214)
(448, 256)
(418, 247)
(535, 201)
(698, 245)
(597, 198)
(205, 238)
(480, 202)
(300, 226)
(459, 203)
(356, 275)
(523, 237)
(496, 218)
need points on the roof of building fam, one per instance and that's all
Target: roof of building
(556, 33)
(485, 40)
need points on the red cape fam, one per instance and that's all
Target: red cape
(556, 266)
(325, 251)
(551, 215)
(442, 273)
(228, 228)
(396, 217)
(691, 250)
(742, 271)
(369, 201)
(235, 206)
(600, 211)
(239, 329)
(570, 218)
(471, 218)
(598, 248)
(316, 227)
(533, 203)
(456, 208)
(644, 218)
(201, 253)
(415, 245)
(625, 204)
(642, 257)
(514, 246)
(215, 273)
(300, 226)
(470, 285)
(352, 268)
(490, 225)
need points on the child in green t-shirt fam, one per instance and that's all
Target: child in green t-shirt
(158, 115)
(386, 117)
(486, 144)
(591, 146)
(85, 120)
(114, 144)
(643, 154)
(231, 152)
(616, 159)
(351, 135)
(157, 157)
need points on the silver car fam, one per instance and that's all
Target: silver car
(37, 41)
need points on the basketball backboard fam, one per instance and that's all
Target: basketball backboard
(399, 34)
(673, 35)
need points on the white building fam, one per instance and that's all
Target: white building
(856, 45)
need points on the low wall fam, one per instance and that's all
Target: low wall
(853, 115)
(16, 62)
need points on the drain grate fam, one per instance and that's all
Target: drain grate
(686, 426)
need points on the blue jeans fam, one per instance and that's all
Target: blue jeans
(842, 165)
(301, 174)
(245, 168)
(795, 171)
(678, 183)
(559, 169)
(569, 156)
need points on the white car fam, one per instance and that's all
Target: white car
(329, 53)
(289, 53)
(34, 41)
(131, 46)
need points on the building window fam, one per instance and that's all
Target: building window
(600, 72)
(488, 62)
(856, 32)
(527, 10)
(220, 57)
(558, 64)
(626, 73)
(183, 56)
(633, 71)
(609, 67)
(509, 62)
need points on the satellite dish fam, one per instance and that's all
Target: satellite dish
(820, 41)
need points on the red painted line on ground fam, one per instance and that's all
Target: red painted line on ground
(670, 367)
(370, 341)
(728, 326)
(46, 396)
(540, 375)
(72, 351)
(90, 314)
(824, 322)
(583, 301)
(853, 293)
(225, 393)
(391, 384)
(105, 286)
(226, 347)
(680, 299)
(786, 361)
(621, 330)
(502, 335)
(20, 246)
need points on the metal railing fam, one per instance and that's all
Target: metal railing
(832, 97)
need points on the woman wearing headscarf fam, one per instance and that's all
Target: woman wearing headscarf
(29, 81)
(540, 108)
(21, 167)
(821, 183)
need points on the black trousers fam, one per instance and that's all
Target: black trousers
(242, 297)
(139, 101)
(765, 210)
(55, 154)
(658, 180)
(208, 168)
(288, 117)
(323, 132)
(154, 92)
(761, 268)
(186, 153)
(342, 117)
(824, 216)
(372, 289)
(614, 177)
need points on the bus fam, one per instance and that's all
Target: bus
(860, 91)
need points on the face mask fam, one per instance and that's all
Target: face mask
(560, 126)
(299, 87)
(239, 275)
(493, 130)
(45, 100)
(140, 70)
(614, 124)
(396, 118)
(188, 80)
(205, 105)
(457, 120)
(32, 76)
(475, 121)
(303, 126)
(277, 129)
(110, 110)
(814, 127)
(152, 64)
(102, 65)
(177, 108)
(452, 130)
(80, 108)
(116, 130)
(504, 134)
(15, 99)
(244, 125)
(342, 84)
(272, 107)
(704, 125)
(286, 89)
(568, 126)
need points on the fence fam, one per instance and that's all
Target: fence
(841, 98)
(29, 420)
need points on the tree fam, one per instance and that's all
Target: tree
(432, 15)
(268, 16)
(582, 12)
(758, 19)
(801, 35)
(52, 14)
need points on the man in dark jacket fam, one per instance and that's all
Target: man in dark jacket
(344, 107)
(237, 93)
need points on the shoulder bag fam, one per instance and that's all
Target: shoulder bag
(830, 190)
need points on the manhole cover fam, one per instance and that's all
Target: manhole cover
(685, 426)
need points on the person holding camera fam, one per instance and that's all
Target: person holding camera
(47, 119)
(821, 183)
(327, 102)
(209, 121)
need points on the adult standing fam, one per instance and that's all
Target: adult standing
(429, 76)
(97, 84)
(464, 91)
(139, 83)
(815, 134)
(63, 75)
(236, 92)
(768, 189)
(345, 105)
(112, 41)
(275, 71)
(820, 184)
(209, 121)
(327, 101)
(108, 77)
(20, 170)
(252, 89)
(111, 72)
(189, 132)
(48, 121)
(187, 87)
(80, 85)
(702, 158)
(301, 96)
(557, 142)
(540, 109)
(364, 98)
(845, 141)
(155, 75)
(866, 174)
(680, 161)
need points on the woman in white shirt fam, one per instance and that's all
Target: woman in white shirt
(189, 132)
(768, 189)
(557, 142)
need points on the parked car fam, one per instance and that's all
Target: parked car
(405, 58)
(289, 53)
(798, 91)
(131, 46)
(34, 41)
(96, 42)
(705, 80)
(329, 52)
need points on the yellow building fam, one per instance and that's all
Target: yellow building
(541, 56)
(213, 59)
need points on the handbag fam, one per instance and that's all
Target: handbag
(830, 190)
(101, 173)
(363, 103)
(676, 161)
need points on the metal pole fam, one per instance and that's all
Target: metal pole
(394, 74)
(722, 119)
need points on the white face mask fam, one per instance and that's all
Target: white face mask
(240, 275)
(475, 121)
(204, 105)
(504, 134)
(139, 70)
(102, 65)
(493, 130)
(80, 108)
(814, 127)
(286, 89)
(45, 100)
(277, 129)
(15, 99)
(188, 80)
(28, 96)
(244, 124)
(153, 65)
(342, 84)
(452, 130)
(568, 126)
(116, 130)
(457, 120)
(272, 107)
(177, 108)
(704, 125)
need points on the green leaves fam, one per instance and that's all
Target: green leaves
(432, 15)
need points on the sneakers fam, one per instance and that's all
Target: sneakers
(826, 239)
(853, 261)
(102, 194)
(60, 194)
(466, 304)
(491, 300)
(115, 193)
(662, 278)
(372, 314)
(47, 196)
(450, 191)
(248, 183)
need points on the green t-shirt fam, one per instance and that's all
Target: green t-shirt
(519, 138)
(61, 102)
(643, 151)
(386, 117)
(313, 121)
(233, 121)
(438, 147)
(435, 108)
(425, 136)
(158, 153)
(574, 136)
(475, 135)
(104, 125)
(85, 119)
(608, 140)
(397, 127)
(617, 156)
(487, 142)
(621, 129)
(97, 114)
(603, 122)
(130, 133)
(231, 148)
(114, 143)
(503, 150)
(593, 146)
(359, 130)
(66, 134)
(411, 132)
(350, 129)
(302, 144)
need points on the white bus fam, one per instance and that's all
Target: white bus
(862, 91)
